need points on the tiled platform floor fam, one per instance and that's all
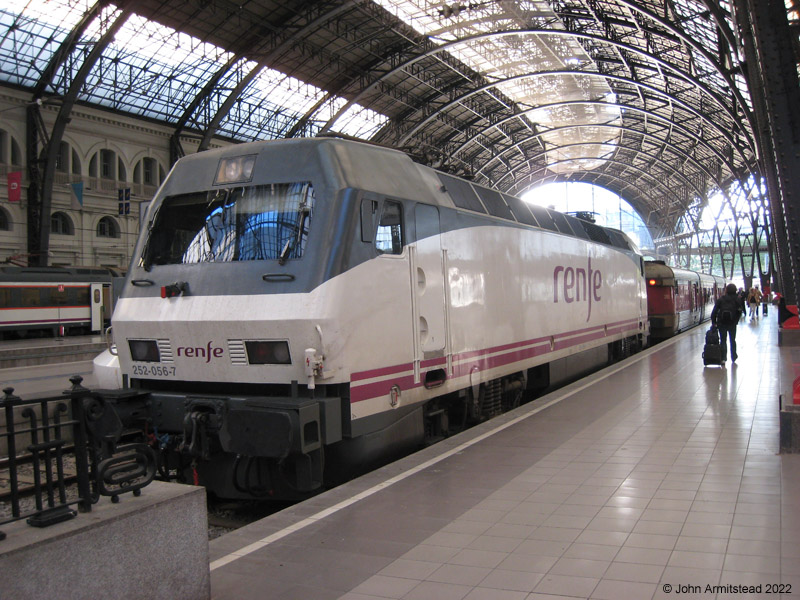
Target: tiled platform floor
(656, 472)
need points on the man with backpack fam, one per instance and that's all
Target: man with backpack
(725, 316)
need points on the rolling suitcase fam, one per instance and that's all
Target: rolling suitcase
(712, 351)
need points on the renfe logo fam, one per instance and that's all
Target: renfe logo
(577, 285)
(200, 352)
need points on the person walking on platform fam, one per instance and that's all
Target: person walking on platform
(742, 297)
(754, 299)
(725, 316)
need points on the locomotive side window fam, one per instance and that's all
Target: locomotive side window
(263, 222)
(561, 222)
(543, 217)
(461, 192)
(389, 239)
(520, 210)
(493, 201)
(369, 216)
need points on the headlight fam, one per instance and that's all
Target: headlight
(235, 169)
(268, 353)
(144, 350)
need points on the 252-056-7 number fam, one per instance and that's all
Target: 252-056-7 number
(154, 370)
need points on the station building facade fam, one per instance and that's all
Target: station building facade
(109, 168)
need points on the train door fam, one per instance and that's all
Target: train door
(96, 306)
(428, 295)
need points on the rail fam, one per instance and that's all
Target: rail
(63, 452)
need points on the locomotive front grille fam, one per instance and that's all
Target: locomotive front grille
(165, 350)
(237, 352)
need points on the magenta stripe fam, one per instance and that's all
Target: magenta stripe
(76, 320)
(380, 372)
(433, 362)
(464, 362)
(490, 362)
(574, 341)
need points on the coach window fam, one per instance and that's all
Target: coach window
(61, 223)
(31, 296)
(389, 238)
(107, 227)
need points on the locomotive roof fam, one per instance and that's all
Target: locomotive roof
(342, 163)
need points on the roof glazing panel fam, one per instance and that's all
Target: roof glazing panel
(30, 38)
(511, 59)
(153, 71)
(149, 70)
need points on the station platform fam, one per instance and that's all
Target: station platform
(49, 350)
(654, 478)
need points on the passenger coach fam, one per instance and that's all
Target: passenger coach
(54, 300)
(678, 299)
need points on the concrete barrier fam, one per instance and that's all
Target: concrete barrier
(790, 429)
(152, 547)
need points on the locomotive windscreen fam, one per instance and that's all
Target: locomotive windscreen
(263, 222)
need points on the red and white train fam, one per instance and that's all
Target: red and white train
(55, 300)
(678, 299)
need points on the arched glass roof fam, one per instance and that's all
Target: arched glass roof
(646, 98)
(153, 71)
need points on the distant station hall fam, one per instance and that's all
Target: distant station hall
(654, 478)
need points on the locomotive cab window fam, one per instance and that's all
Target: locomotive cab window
(389, 237)
(262, 222)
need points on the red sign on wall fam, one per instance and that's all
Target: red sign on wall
(14, 186)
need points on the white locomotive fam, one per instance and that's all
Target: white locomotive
(302, 309)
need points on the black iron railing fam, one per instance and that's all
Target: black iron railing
(63, 452)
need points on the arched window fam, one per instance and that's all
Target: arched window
(104, 164)
(5, 220)
(62, 159)
(122, 173)
(148, 171)
(61, 223)
(10, 151)
(76, 163)
(16, 153)
(107, 227)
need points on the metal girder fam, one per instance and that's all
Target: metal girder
(696, 84)
(772, 70)
(283, 42)
(461, 146)
(668, 190)
(176, 148)
(36, 133)
(620, 188)
(40, 195)
(676, 150)
(721, 131)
